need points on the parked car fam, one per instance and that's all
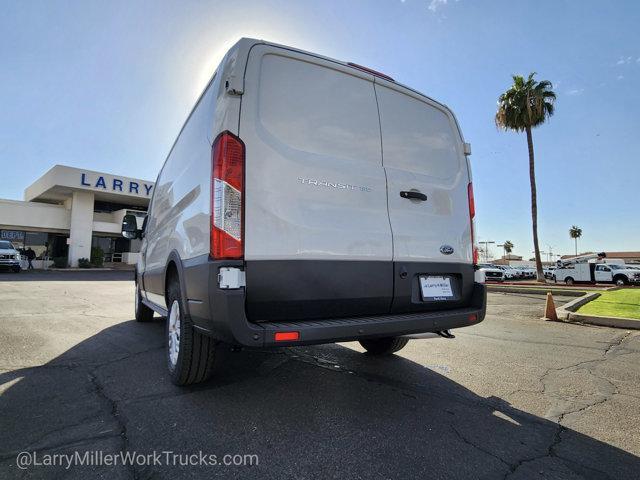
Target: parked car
(9, 256)
(516, 273)
(528, 272)
(491, 272)
(549, 272)
(278, 223)
(620, 274)
(510, 273)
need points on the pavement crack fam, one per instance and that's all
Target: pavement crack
(479, 448)
(112, 406)
(605, 390)
(555, 441)
(617, 342)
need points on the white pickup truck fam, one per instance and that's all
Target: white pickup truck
(609, 272)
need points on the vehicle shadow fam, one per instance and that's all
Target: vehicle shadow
(305, 412)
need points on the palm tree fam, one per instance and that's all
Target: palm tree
(575, 232)
(508, 247)
(525, 105)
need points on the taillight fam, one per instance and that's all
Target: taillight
(227, 192)
(472, 215)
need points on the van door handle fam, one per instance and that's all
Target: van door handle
(413, 195)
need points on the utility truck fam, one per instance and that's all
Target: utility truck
(595, 268)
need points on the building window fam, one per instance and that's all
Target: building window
(38, 242)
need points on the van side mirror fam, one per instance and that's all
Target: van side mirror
(130, 227)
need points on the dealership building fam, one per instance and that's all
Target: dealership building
(68, 211)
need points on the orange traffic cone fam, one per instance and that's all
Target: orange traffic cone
(550, 309)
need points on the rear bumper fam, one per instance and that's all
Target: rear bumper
(222, 314)
(348, 329)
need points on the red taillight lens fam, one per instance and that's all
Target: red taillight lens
(472, 203)
(472, 214)
(287, 336)
(227, 192)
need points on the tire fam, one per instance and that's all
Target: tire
(143, 313)
(190, 355)
(16, 269)
(620, 281)
(384, 346)
(568, 281)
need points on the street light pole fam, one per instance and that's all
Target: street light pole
(486, 248)
(550, 253)
(541, 253)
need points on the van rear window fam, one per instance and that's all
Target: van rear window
(319, 110)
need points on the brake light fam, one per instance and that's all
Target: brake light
(227, 192)
(472, 215)
(371, 71)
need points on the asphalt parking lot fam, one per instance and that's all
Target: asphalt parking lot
(513, 397)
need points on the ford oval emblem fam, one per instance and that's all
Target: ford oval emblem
(446, 249)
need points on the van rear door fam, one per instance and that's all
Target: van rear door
(317, 235)
(427, 181)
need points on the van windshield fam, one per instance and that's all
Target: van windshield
(4, 245)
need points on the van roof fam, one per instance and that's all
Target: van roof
(241, 50)
(246, 44)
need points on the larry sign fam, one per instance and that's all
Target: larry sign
(116, 185)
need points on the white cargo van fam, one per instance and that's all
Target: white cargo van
(307, 200)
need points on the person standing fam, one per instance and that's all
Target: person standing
(30, 256)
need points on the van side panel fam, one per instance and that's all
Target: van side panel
(315, 188)
(179, 218)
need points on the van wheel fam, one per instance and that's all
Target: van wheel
(384, 346)
(568, 281)
(190, 354)
(16, 269)
(143, 313)
(620, 281)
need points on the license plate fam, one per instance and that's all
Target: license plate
(436, 288)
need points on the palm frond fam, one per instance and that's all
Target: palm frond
(525, 104)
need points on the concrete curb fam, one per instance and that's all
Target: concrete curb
(567, 309)
(566, 313)
(536, 291)
(617, 322)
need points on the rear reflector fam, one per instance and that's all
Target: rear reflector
(227, 192)
(371, 71)
(287, 336)
(473, 318)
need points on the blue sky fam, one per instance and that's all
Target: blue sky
(107, 85)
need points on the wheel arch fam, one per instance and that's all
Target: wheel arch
(622, 276)
(174, 268)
